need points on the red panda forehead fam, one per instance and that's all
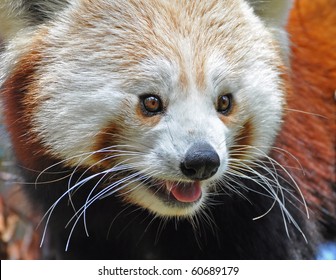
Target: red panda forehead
(126, 33)
(141, 28)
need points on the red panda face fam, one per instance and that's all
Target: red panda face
(165, 100)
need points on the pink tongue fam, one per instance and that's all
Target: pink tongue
(185, 192)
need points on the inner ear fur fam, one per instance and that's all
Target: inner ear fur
(273, 12)
(19, 14)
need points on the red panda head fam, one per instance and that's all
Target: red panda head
(164, 100)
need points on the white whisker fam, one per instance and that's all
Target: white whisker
(249, 159)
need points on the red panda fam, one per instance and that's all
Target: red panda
(148, 129)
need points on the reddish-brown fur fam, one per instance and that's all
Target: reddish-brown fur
(310, 136)
(28, 149)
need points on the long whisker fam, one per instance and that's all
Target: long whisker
(275, 163)
(270, 184)
(305, 112)
(49, 212)
(111, 189)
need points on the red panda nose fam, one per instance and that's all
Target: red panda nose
(201, 162)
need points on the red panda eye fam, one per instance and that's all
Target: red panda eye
(151, 104)
(224, 104)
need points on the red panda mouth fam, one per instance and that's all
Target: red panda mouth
(178, 192)
(185, 192)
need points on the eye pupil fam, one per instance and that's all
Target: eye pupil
(151, 104)
(224, 103)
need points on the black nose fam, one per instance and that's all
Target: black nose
(201, 162)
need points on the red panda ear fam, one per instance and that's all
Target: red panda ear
(19, 14)
(273, 12)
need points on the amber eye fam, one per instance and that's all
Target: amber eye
(151, 104)
(224, 104)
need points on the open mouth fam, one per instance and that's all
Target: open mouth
(182, 193)
(167, 198)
